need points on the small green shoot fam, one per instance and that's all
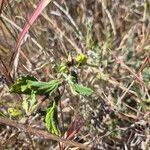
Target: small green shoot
(14, 112)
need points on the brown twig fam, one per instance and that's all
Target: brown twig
(1, 6)
(10, 140)
(59, 31)
(41, 133)
(120, 61)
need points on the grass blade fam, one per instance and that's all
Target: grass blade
(42, 4)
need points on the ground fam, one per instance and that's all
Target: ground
(105, 46)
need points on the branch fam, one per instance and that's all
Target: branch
(41, 133)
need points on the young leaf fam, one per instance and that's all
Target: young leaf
(14, 112)
(25, 105)
(81, 59)
(63, 67)
(81, 89)
(52, 120)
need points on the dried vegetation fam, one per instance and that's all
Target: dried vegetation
(114, 35)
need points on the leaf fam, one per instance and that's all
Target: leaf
(25, 105)
(32, 99)
(26, 85)
(71, 78)
(81, 59)
(80, 89)
(63, 67)
(77, 88)
(1, 114)
(14, 112)
(45, 88)
(29, 103)
(21, 86)
(51, 119)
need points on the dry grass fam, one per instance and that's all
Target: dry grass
(115, 37)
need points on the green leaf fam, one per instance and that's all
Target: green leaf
(32, 99)
(14, 112)
(25, 105)
(26, 85)
(29, 103)
(51, 119)
(81, 59)
(71, 79)
(1, 114)
(21, 86)
(80, 89)
(63, 67)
